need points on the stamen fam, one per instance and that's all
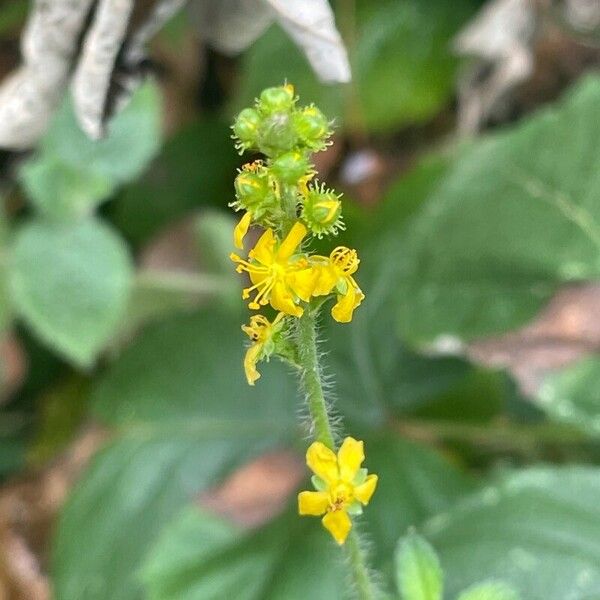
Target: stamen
(345, 259)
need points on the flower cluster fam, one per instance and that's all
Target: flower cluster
(280, 194)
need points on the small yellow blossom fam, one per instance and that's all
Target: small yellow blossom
(260, 331)
(342, 486)
(278, 275)
(335, 273)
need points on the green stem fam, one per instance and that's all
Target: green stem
(311, 378)
(323, 432)
(362, 578)
(288, 203)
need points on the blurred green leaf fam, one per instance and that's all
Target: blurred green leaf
(184, 418)
(477, 261)
(61, 410)
(368, 360)
(201, 557)
(415, 483)
(71, 174)
(572, 395)
(62, 191)
(538, 530)
(418, 572)
(70, 283)
(12, 15)
(490, 590)
(195, 168)
(13, 449)
(402, 64)
(5, 307)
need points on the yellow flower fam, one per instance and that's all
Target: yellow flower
(342, 486)
(260, 331)
(278, 275)
(335, 273)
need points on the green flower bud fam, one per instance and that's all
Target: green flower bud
(251, 188)
(312, 127)
(245, 128)
(276, 135)
(255, 191)
(276, 99)
(322, 211)
(291, 166)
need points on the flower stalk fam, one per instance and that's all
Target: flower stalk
(279, 195)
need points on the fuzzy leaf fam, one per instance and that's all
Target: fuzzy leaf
(71, 285)
(476, 261)
(538, 530)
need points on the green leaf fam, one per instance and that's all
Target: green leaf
(62, 191)
(418, 572)
(375, 372)
(414, 484)
(184, 418)
(572, 395)
(5, 305)
(490, 590)
(195, 168)
(477, 261)
(200, 556)
(71, 174)
(70, 283)
(538, 530)
(402, 65)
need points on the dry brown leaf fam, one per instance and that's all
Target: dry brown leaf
(565, 331)
(232, 25)
(258, 491)
(29, 96)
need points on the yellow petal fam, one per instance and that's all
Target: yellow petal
(338, 524)
(343, 310)
(312, 503)
(350, 456)
(291, 241)
(303, 283)
(322, 462)
(364, 491)
(281, 299)
(250, 360)
(241, 229)
(327, 279)
(263, 251)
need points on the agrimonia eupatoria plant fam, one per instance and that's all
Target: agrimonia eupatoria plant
(281, 195)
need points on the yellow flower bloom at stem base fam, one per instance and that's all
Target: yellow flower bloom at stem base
(260, 331)
(342, 486)
(335, 274)
(277, 276)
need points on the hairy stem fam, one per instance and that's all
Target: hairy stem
(323, 432)
(311, 379)
(365, 588)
